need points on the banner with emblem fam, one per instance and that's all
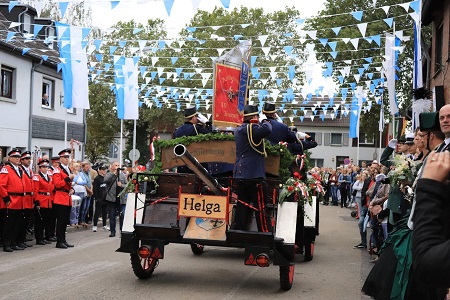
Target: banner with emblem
(231, 72)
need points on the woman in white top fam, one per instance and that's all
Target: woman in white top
(357, 186)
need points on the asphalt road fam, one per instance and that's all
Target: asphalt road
(93, 270)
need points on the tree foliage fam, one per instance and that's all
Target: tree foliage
(336, 14)
(102, 122)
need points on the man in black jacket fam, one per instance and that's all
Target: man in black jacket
(99, 189)
(431, 235)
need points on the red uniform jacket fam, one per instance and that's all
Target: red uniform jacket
(43, 190)
(28, 188)
(11, 185)
(63, 185)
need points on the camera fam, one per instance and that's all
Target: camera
(120, 169)
(96, 166)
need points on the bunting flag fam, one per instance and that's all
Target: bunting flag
(355, 113)
(381, 121)
(74, 66)
(390, 66)
(127, 89)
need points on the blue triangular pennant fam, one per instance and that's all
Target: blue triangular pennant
(357, 15)
(63, 8)
(114, 4)
(336, 30)
(389, 21)
(168, 4)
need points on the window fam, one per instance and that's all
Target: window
(7, 82)
(317, 162)
(365, 138)
(50, 35)
(47, 93)
(113, 151)
(312, 135)
(336, 139)
(27, 23)
(438, 48)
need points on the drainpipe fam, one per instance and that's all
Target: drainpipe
(20, 15)
(30, 116)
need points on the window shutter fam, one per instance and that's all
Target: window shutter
(319, 138)
(345, 139)
(326, 139)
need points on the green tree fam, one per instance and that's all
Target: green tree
(336, 14)
(102, 122)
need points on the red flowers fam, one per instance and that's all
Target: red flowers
(290, 188)
(297, 175)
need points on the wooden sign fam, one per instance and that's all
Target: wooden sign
(214, 151)
(203, 206)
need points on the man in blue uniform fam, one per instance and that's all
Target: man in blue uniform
(191, 127)
(251, 168)
(280, 132)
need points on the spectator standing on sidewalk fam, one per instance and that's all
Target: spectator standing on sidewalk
(113, 179)
(101, 206)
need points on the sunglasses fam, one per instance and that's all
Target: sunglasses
(26, 158)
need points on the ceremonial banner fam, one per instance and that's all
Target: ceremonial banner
(226, 91)
(231, 72)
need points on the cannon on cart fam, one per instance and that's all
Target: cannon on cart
(195, 209)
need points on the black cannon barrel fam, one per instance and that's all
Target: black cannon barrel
(181, 152)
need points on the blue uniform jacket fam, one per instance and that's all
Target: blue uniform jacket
(189, 129)
(249, 163)
(300, 146)
(280, 133)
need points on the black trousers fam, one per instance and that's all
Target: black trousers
(100, 208)
(42, 225)
(10, 233)
(62, 214)
(23, 224)
(252, 193)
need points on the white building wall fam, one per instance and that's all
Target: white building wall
(14, 119)
(330, 153)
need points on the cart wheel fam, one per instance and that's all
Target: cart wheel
(309, 252)
(197, 249)
(143, 267)
(286, 277)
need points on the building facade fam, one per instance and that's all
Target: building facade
(31, 94)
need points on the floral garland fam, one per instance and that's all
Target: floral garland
(286, 157)
(315, 185)
(294, 190)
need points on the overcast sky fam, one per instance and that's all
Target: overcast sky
(182, 10)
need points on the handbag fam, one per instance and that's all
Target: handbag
(354, 193)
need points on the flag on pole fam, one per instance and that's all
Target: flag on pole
(74, 65)
(355, 113)
(126, 79)
(381, 121)
(390, 66)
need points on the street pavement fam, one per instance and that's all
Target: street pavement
(93, 270)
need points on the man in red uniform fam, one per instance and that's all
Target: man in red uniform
(43, 195)
(27, 179)
(12, 194)
(62, 203)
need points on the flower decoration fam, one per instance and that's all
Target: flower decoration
(315, 184)
(403, 172)
(294, 190)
